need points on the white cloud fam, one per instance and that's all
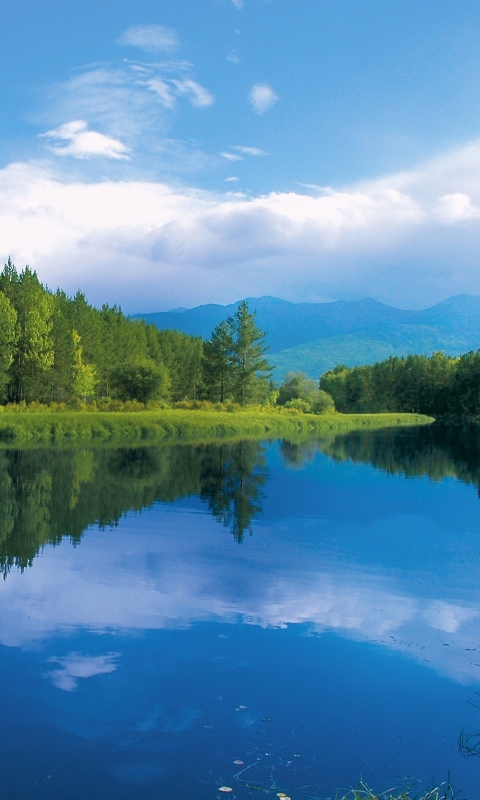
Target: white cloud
(262, 98)
(457, 207)
(148, 245)
(238, 4)
(163, 90)
(199, 96)
(231, 179)
(133, 104)
(83, 143)
(233, 57)
(75, 667)
(250, 151)
(231, 156)
(151, 38)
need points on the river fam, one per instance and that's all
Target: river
(267, 617)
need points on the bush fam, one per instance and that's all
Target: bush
(141, 381)
(296, 386)
(323, 403)
(300, 405)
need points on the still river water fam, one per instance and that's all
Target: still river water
(270, 617)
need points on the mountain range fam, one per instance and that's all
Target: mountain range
(314, 337)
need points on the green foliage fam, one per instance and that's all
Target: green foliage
(59, 349)
(296, 385)
(323, 403)
(300, 405)
(217, 359)
(21, 424)
(84, 375)
(33, 353)
(235, 366)
(300, 392)
(437, 385)
(142, 381)
(8, 340)
(248, 357)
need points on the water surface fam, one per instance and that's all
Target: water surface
(311, 610)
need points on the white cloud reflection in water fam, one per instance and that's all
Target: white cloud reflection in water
(174, 569)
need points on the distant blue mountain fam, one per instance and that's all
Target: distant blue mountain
(314, 337)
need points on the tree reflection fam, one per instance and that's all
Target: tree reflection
(48, 494)
(232, 479)
(437, 451)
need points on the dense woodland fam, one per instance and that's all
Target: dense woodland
(437, 385)
(57, 349)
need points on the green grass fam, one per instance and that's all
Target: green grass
(442, 792)
(363, 792)
(149, 427)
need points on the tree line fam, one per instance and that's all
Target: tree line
(437, 385)
(60, 349)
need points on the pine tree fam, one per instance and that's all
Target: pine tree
(218, 354)
(33, 355)
(84, 375)
(249, 364)
(8, 339)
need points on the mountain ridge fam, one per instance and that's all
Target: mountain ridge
(308, 334)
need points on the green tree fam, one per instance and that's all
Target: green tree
(248, 362)
(323, 403)
(8, 339)
(217, 362)
(182, 355)
(297, 386)
(142, 381)
(84, 375)
(33, 354)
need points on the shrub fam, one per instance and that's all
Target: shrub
(300, 405)
(323, 403)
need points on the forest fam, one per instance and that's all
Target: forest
(62, 350)
(437, 385)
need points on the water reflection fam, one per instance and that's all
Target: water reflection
(48, 494)
(436, 451)
(156, 655)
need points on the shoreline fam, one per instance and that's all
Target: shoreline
(58, 428)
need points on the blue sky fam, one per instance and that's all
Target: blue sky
(188, 151)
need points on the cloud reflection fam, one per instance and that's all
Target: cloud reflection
(75, 666)
(138, 579)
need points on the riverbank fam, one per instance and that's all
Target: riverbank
(149, 427)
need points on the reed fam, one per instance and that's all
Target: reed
(62, 427)
(442, 792)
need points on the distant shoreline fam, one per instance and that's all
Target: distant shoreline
(63, 428)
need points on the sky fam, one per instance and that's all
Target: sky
(172, 153)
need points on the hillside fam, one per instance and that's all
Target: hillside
(364, 347)
(314, 337)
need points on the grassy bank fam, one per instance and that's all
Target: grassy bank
(149, 427)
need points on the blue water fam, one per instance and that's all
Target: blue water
(339, 641)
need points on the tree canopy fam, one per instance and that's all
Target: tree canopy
(55, 348)
(436, 385)
(235, 366)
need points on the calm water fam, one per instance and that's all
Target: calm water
(309, 610)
